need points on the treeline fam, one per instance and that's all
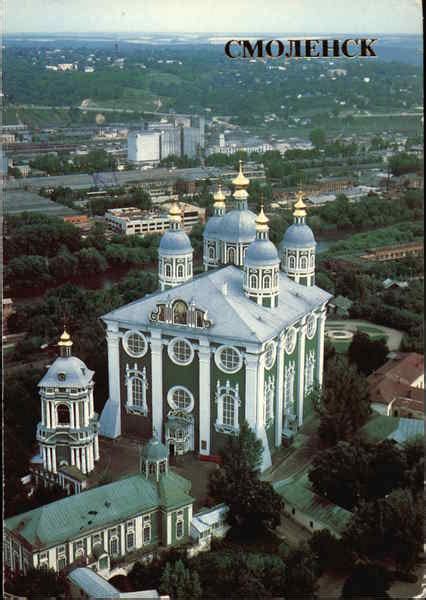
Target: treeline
(370, 212)
(63, 164)
(41, 251)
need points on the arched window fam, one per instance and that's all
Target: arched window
(63, 413)
(269, 393)
(291, 262)
(253, 281)
(180, 271)
(267, 281)
(303, 262)
(228, 401)
(289, 387)
(180, 312)
(168, 270)
(228, 410)
(309, 371)
(312, 259)
(231, 255)
(136, 391)
(212, 252)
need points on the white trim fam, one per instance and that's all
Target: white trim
(290, 340)
(125, 339)
(233, 392)
(171, 402)
(311, 326)
(170, 351)
(131, 376)
(269, 394)
(219, 364)
(268, 345)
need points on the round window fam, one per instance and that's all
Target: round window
(290, 340)
(311, 326)
(228, 359)
(270, 354)
(179, 398)
(181, 351)
(135, 343)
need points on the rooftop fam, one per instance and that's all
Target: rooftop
(232, 314)
(100, 506)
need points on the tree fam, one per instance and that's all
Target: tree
(367, 582)
(301, 574)
(368, 355)
(345, 402)
(340, 474)
(389, 527)
(180, 583)
(318, 137)
(91, 260)
(37, 583)
(253, 504)
(329, 551)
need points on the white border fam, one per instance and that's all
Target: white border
(170, 351)
(218, 362)
(171, 403)
(127, 349)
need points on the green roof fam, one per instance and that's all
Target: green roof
(154, 450)
(319, 508)
(98, 507)
(381, 427)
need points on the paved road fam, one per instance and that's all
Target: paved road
(394, 336)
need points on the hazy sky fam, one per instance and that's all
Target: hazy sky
(303, 16)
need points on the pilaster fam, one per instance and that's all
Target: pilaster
(279, 392)
(157, 382)
(301, 372)
(204, 393)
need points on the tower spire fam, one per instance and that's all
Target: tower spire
(65, 344)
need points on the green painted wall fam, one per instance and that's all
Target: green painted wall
(138, 426)
(217, 439)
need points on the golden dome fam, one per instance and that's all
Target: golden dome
(241, 180)
(174, 210)
(300, 206)
(65, 339)
(261, 218)
(219, 196)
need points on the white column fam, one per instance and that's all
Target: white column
(169, 529)
(110, 421)
(279, 392)
(84, 460)
(44, 451)
(260, 396)
(96, 447)
(204, 393)
(54, 422)
(77, 458)
(251, 389)
(301, 373)
(54, 459)
(90, 454)
(123, 541)
(157, 382)
(320, 345)
(43, 412)
(48, 422)
(77, 415)
(49, 459)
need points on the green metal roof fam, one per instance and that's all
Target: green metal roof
(319, 508)
(98, 507)
(154, 450)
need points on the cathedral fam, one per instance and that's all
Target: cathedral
(242, 341)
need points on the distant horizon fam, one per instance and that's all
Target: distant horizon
(208, 33)
(211, 17)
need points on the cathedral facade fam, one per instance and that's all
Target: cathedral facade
(243, 341)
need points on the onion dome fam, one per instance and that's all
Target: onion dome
(261, 252)
(175, 240)
(241, 181)
(299, 234)
(65, 339)
(69, 371)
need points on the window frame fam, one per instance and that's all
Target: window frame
(172, 403)
(219, 363)
(130, 352)
(172, 353)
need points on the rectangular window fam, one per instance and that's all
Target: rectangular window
(179, 529)
(147, 534)
(62, 563)
(130, 540)
(113, 546)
